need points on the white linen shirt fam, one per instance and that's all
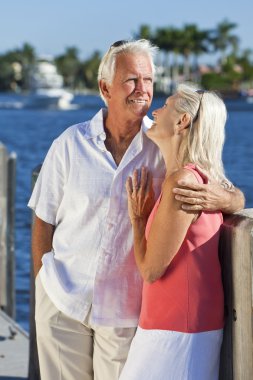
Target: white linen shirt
(81, 191)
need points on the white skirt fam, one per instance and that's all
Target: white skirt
(171, 355)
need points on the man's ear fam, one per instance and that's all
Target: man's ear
(104, 89)
(184, 122)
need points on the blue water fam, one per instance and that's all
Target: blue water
(29, 133)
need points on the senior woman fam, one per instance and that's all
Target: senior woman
(181, 322)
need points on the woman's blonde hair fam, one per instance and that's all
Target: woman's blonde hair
(106, 70)
(204, 142)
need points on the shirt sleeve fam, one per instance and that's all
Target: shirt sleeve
(48, 190)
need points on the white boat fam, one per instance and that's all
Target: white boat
(46, 88)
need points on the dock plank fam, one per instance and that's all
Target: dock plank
(14, 350)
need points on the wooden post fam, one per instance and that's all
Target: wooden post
(3, 226)
(34, 370)
(11, 261)
(7, 217)
(7, 250)
(236, 248)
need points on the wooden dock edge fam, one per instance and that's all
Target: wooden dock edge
(17, 327)
(14, 349)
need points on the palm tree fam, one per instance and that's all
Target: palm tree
(201, 45)
(245, 61)
(178, 37)
(68, 65)
(222, 39)
(144, 32)
(189, 33)
(25, 57)
(194, 43)
(28, 54)
(163, 39)
(88, 71)
(169, 41)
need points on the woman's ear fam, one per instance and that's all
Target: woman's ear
(184, 122)
(104, 89)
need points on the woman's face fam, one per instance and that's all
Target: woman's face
(165, 120)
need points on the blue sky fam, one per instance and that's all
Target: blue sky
(52, 25)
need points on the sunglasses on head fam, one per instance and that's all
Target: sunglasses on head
(200, 92)
(119, 43)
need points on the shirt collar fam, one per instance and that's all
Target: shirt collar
(96, 127)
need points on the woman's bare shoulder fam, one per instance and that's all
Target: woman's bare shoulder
(180, 174)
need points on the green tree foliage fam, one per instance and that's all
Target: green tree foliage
(180, 49)
(215, 81)
(68, 65)
(78, 74)
(222, 40)
(89, 71)
(189, 42)
(144, 32)
(7, 75)
(244, 61)
(194, 42)
(11, 78)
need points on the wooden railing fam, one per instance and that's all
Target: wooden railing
(236, 250)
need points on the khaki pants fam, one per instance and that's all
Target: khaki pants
(70, 350)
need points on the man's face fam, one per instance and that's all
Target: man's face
(131, 91)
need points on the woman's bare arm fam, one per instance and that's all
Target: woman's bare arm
(167, 232)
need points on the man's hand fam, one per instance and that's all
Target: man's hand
(209, 197)
(198, 197)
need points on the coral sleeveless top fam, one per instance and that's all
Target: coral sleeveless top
(189, 296)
